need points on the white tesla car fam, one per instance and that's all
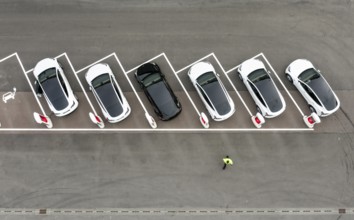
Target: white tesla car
(52, 83)
(270, 103)
(211, 90)
(107, 92)
(313, 87)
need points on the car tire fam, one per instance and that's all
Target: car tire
(312, 109)
(76, 97)
(259, 110)
(61, 66)
(239, 76)
(288, 77)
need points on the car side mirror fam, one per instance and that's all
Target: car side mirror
(38, 88)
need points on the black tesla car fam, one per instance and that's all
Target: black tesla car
(157, 90)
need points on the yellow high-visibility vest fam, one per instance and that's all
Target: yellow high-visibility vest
(227, 161)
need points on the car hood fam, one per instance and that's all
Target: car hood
(199, 69)
(251, 65)
(96, 71)
(44, 64)
(300, 65)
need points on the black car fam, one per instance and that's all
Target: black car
(157, 90)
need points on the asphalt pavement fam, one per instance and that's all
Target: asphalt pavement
(166, 170)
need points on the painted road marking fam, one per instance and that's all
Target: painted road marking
(176, 74)
(180, 130)
(77, 78)
(28, 80)
(287, 91)
(181, 211)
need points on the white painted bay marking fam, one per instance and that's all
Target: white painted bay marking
(291, 97)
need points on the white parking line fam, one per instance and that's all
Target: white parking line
(184, 89)
(148, 61)
(131, 85)
(234, 68)
(194, 63)
(233, 86)
(291, 97)
(149, 129)
(28, 80)
(182, 130)
(98, 61)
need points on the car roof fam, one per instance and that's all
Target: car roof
(323, 92)
(163, 99)
(55, 93)
(270, 94)
(218, 97)
(109, 98)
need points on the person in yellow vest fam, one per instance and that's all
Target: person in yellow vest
(227, 161)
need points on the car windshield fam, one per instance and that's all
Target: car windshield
(47, 74)
(107, 94)
(101, 80)
(151, 79)
(52, 88)
(258, 75)
(215, 92)
(208, 77)
(320, 87)
(308, 75)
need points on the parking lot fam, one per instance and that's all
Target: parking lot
(129, 170)
(291, 119)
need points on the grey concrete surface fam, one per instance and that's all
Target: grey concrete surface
(179, 170)
(283, 217)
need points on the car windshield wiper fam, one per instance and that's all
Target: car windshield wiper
(209, 81)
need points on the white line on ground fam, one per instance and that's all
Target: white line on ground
(194, 63)
(98, 61)
(232, 69)
(176, 73)
(184, 89)
(28, 80)
(233, 86)
(78, 80)
(148, 61)
(131, 85)
(291, 97)
(182, 130)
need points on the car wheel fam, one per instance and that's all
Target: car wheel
(61, 66)
(259, 110)
(76, 97)
(239, 76)
(312, 109)
(289, 78)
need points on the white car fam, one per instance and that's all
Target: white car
(270, 103)
(51, 81)
(107, 92)
(211, 90)
(313, 87)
